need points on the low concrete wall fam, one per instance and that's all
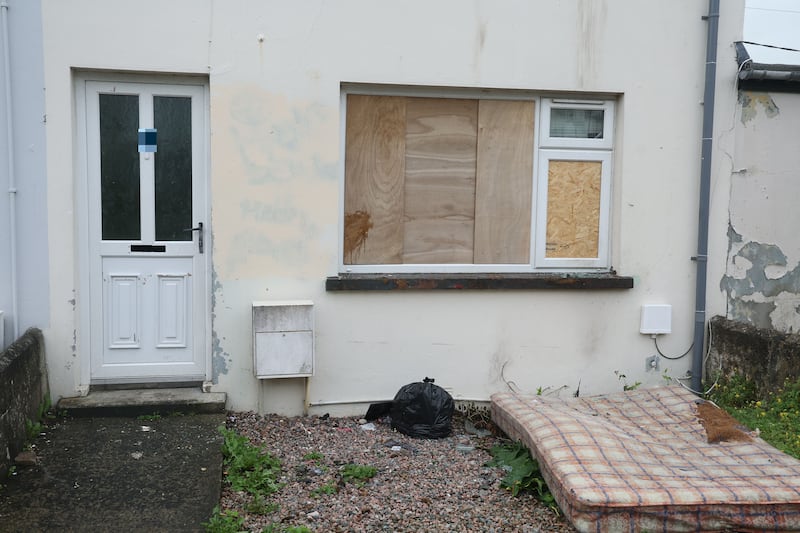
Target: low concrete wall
(765, 356)
(23, 388)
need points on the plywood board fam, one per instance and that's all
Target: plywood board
(504, 181)
(374, 175)
(441, 140)
(573, 208)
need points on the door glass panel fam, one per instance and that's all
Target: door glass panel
(172, 118)
(119, 167)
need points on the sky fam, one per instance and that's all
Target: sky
(773, 22)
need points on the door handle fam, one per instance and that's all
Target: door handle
(199, 230)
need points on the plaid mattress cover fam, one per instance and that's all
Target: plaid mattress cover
(639, 461)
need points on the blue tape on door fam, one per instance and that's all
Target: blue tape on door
(147, 140)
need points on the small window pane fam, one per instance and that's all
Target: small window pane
(172, 118)
(119, 167)
(576, 123)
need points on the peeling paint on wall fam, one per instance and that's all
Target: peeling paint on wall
(219, 358)
(750, 101)
(755, 294)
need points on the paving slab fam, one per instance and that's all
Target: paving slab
(149, 473)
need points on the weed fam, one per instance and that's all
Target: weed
(248, 468)
(224, 522)
(522, 472)
(149, 418)
(328, 488)
(775, 414)
(273, 528)
(259, 505)
(625, 386)
(358, 474)
(33, 429)
(313, 456)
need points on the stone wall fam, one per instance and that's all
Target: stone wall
(763, 355)
(23, 388)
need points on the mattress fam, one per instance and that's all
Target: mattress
(641, 461)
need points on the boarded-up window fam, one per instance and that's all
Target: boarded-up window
(450, 181)
(573, 208)
(437, 181)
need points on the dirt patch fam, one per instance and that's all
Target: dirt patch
(719, 425)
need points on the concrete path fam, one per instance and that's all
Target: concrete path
(146, 473)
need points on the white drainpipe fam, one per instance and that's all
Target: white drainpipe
(12, 189)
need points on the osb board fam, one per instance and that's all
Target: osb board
(573, 208)
(374, 179)
(441, 135)
(504, 181)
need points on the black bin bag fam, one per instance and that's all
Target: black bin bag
(423, 410)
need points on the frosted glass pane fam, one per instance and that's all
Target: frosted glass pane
(119, 167)
(172, 117)
(576, 123)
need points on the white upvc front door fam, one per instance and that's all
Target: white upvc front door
(146, 188)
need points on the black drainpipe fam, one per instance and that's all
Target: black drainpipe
(705, 188)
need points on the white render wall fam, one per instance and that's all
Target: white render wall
(275, 70)
(27, 151)
(762, 280)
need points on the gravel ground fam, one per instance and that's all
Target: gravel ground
(420, 484)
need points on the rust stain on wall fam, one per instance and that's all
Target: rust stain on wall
(750, 101)
(356, 230)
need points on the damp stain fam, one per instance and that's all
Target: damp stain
(750, 101)
(356, 231)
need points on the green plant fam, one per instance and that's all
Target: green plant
(33, 429)
(149, 418)
(776, 414)
(328, 488)
(248, 468)
(273, 528)
(522, 472)
(358, 474)
(224, 522)
(312, 456)
(625, 386)
(259, 505)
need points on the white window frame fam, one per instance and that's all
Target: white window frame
(606, 143)
(540, 225)
(543, 149)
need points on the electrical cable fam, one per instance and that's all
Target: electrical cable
(770, 46)
(671, 358)
(705, 360)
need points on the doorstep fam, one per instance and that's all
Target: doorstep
(135, 402)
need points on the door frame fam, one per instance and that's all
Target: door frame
(83, 297)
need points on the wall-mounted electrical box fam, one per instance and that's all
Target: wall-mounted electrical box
(283, 339)
(656, 319)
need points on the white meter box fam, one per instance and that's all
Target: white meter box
(283, 339)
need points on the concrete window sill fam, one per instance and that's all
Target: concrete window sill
(532, 281)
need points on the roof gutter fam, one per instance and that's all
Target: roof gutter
(750, 70)
(705, 187)
(12, 187)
